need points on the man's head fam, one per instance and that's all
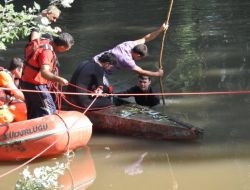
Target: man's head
(63, 42)
(52, 13)
(108, 61)
(139, 51)
(144, 82)
(16, 67)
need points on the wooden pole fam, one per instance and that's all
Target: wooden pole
(162, 47)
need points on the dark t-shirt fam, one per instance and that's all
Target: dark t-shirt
(88, 76)
(143, 100)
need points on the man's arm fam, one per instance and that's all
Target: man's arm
(141, 71)
(152, 35)
(15, 91)
(45, 72)
(8, 82)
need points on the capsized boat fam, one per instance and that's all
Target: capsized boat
(44, 136)
(140, 121)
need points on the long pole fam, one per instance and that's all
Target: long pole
(162, 47)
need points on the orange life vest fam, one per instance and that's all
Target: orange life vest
(3, 93)
(14, 111)
(31, 70)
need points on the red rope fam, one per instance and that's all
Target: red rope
(62, 95)
(142, 94)
(187, 93)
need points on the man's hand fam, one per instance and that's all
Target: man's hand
(57, 29)
(164, 26)
(97, 92)
(63, 81)
(160, 72)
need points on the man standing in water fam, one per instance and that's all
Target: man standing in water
(143, 87)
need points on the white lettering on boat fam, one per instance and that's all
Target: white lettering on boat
(24, 132)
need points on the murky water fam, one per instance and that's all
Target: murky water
(207, 49)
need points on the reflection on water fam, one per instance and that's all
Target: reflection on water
(80, 174)
(136, 167)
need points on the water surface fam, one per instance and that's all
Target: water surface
(206, 49)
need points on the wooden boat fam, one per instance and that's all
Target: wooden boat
(45, 136)
(139, 121)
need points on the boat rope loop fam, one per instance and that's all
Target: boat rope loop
(44, 150)
(48, 147)
(30, 160)
(65, 124)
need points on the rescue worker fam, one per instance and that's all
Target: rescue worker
(10, 79)
(89, 76)
(40, 66)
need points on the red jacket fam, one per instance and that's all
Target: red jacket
(39, 53)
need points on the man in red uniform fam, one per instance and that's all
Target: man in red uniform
(40, 65)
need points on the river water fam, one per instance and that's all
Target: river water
(206, 50)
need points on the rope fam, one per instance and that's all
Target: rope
(82, 108)
(68, 143)
(30, 160)
(162, 47)
(144, 94)
(39, 154)
(90, 104)
(43, 151)
(189, 93)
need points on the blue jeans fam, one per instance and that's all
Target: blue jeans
(38, 104)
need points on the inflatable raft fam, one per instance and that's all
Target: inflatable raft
(45, 136)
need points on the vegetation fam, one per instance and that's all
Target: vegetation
(44, 177)
(17, 25)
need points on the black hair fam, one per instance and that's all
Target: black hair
(141, 49)
(16, 62)
(108, 57)
(64, 39)
(143, 77)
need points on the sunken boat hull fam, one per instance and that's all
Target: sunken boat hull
(138, 121)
